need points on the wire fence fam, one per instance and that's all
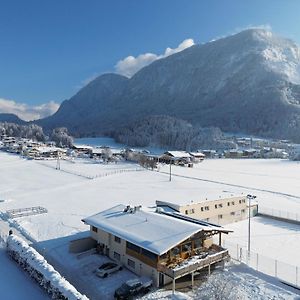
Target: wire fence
(287, 273)
(286, 215)
(93, 176)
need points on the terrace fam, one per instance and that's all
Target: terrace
(177, 267)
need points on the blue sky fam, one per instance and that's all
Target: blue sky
(48, 49)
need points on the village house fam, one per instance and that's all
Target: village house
(197, 157)
(176, 157)
(210, 153)
(161, 245)
(83, 150)
(218, 209)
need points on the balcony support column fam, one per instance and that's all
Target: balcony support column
(173, 286)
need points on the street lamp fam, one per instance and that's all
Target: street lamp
(249, 197)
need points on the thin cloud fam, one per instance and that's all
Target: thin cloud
(27, 112)
(267, 27)
(87, 80)
(130, 64)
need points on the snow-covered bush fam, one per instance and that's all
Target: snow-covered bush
(61, 137)
(39, 269)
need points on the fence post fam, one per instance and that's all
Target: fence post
(275, 267)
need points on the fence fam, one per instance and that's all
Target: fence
(87, 176)
(283, 271)
(286, 215)
(28, 211)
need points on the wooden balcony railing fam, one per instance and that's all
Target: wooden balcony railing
(193, 264)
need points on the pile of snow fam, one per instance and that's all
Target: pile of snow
(166, 295)
(40, 270)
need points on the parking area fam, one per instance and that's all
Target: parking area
(104, 288)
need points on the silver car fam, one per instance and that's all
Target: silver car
(107, 269)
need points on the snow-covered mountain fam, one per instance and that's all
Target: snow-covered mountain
(248, 82)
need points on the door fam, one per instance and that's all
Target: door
(161, 279)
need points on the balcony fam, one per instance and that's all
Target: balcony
(180, 268)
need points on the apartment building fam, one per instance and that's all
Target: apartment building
(218, 209)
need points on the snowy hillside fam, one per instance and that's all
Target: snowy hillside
(213, 84)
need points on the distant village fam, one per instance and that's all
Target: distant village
(245, 148)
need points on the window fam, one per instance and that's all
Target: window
(240, 201)
(202, 208)
(232, 202)
(192, 211)
(117, 256)
(220, 216)
(133, 247)
(220, 205)
(197, 243)
(175, 251)
(149, 254)
(206, 207)
(243, 211)
(216, 205)
(232, 213)
(117, 240)
(186, 211)
(187, 247)
(228, 203)
(131, 263)
(95, 229)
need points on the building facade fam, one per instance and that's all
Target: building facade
(158, 245)
(220, 211)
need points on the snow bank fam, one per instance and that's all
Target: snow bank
(38, 268)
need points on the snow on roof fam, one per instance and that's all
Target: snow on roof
(78, 146)
(152, 231)
(197, 154)
(45, 149)
(207, 196)
(178, 154)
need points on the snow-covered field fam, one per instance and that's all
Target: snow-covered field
(274, 181)
(70, 197)
(270, 238)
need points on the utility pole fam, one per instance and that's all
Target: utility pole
(58, 162)
(249, 197)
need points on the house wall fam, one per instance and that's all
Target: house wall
(220, 211)
(143, 266)
(140, 268)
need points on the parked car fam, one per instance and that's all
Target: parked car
(107, 269)
(132, 288)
